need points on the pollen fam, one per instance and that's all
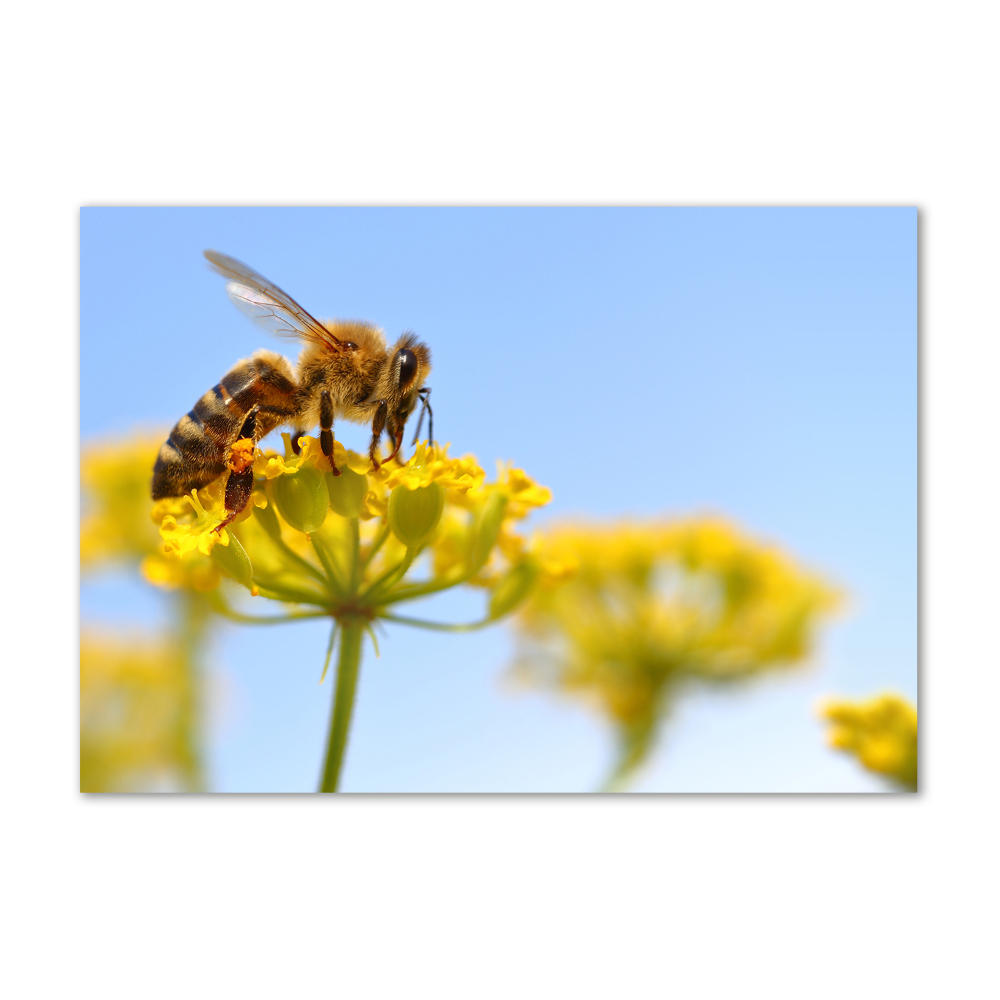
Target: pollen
(241, 455)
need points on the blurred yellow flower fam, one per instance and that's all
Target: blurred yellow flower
(189, 572)
(138, 692)
(137, 715)
(626, 615)
(523, 493)
(115, 478)
(880, 732)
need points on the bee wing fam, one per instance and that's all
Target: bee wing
(265, 303)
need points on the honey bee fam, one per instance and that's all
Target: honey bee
(344, 370)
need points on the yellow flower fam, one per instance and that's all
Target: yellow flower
(523, 493)
(115, 480)
(200, 534)
(172, 572)
(880, 732)
(296, 544)
(625, 615)
(271, 464)
(432, 465)
(137, 715)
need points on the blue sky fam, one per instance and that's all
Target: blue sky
(760, 363)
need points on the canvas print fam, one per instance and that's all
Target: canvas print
(499, 500)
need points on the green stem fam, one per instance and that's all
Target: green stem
(289, 595)
(324, 557)
(353, 554)
(377, 543)
(436, 626)
(235, 616)
(635, 742)
(194, 619)
(348, 666)
(329, 651)
(301, 561)
(389, 578)
(431, 587)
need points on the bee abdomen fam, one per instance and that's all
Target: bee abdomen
(188, 460)
(198, 447)
(217, 416)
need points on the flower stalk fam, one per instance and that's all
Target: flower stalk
(352, 629)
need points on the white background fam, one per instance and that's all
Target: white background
(872, 103)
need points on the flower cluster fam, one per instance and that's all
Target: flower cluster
(880, 732)
(627, 614)
(350, 545)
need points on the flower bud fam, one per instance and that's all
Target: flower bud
(347, 491)
(234, 561)
(487, 530)
(414, 514)
(302, 498)
(513, 588)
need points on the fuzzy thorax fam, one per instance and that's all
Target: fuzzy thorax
(357, 378)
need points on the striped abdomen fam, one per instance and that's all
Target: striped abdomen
(198, 447)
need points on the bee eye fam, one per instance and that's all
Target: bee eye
(407, 362)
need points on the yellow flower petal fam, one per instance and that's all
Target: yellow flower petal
(199, 535)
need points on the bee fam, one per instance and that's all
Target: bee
(344, 370)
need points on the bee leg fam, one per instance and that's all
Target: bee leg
(296, 447)
(326, 428)
(239, 485)
(378, 425)
(395, 434)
